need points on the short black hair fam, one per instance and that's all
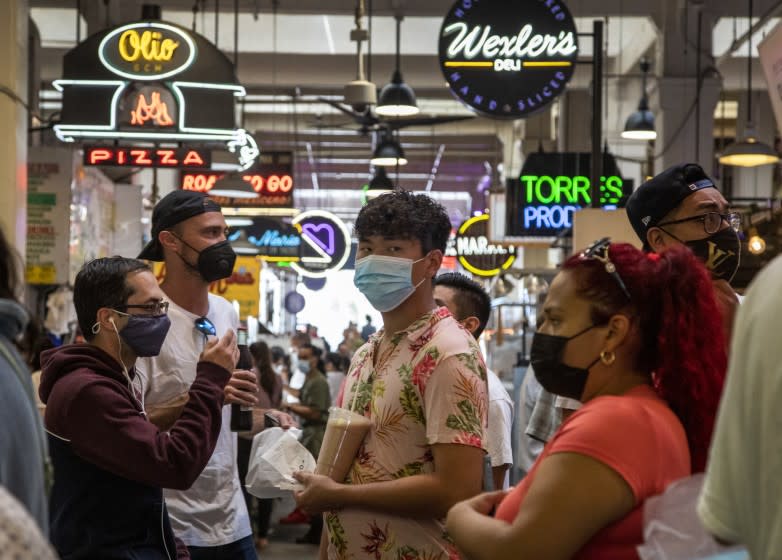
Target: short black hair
(473, 300)
(102, 283)
(401, 214)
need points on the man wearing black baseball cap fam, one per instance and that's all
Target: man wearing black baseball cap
(189, 235)
(682, 206)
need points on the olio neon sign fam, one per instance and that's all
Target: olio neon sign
(147, 51)
(149, 45)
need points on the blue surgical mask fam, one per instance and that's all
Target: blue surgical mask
(386, 281)
(304, 366)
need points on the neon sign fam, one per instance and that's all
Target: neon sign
(325, 243)
(507, 59)
(147, 51)
(554, 186)
(155, 111)
(146, 157)
(262, 184)
(476, 254)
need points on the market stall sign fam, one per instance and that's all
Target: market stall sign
(147, 51)
(150, 81)
(325, 243)
(476, 253)
(243, 285)
(271, 177)
(553, 187)
(146, 157)
(507, 60)
(276, 240)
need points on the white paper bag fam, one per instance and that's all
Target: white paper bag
(275, 455)
(673, 530)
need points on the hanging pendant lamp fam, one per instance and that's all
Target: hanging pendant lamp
(640, 124)
(388, 152)
(397, 99)
(749, 151)
(233, 185)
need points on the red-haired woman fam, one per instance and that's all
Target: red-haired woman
(638, 339)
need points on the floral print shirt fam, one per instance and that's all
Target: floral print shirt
(427, 386)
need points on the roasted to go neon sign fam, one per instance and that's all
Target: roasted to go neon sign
(146, 157)
(262, 184)
(147, 51)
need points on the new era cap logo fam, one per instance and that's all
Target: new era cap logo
(646, 220)
(702, 184)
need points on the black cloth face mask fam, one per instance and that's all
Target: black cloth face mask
(553, 375)
(215, 262)
(720, 252)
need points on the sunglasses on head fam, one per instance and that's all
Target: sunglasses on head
(205, 327)
(599, 251)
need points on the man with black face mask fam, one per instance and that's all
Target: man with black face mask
(189, 235)
(110, 462)
(682, 206)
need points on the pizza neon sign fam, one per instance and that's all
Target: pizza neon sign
(146, 157)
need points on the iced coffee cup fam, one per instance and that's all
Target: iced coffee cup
(345, 431)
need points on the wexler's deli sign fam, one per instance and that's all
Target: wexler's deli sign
(151, 81)
(476, 253)
(508, 59)
(554, 186)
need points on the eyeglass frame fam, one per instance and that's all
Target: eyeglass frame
(591, 253)
(161, 306)
(733, 219)
(205, 327)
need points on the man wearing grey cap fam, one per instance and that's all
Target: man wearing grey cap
(682, 206)
(189, 236)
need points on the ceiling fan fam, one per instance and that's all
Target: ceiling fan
(361, 103)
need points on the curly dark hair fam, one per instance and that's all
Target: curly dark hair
(404, 215)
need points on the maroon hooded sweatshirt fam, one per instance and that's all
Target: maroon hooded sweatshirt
(100, 436)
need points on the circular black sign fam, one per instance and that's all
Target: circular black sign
(507, 60)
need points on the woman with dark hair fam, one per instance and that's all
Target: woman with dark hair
(269, 396)
(638, 339)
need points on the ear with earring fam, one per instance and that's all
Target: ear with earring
(607, 357)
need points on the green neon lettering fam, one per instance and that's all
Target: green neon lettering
(529, 181)
(581, 190)
(552, 189)
(613, 189)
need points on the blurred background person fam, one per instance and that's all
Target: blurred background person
(269, 397)
(740, 502)
(335, 366)
(24, 457)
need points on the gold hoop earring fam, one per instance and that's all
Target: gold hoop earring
(607, 357)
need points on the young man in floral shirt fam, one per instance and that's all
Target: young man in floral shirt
(422, 383)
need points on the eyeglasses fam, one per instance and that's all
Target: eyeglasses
(157, 308)
(712, 221)
(205, 327)
(599, 252)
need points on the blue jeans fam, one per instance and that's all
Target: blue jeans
(243, 549)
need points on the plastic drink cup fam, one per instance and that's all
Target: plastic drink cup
(345, 431)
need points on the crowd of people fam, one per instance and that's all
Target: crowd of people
(645, 368)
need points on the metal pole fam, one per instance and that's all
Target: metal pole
(597, 111)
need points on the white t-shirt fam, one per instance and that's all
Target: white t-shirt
(741, 501)
(498, 442)
(212, 512)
